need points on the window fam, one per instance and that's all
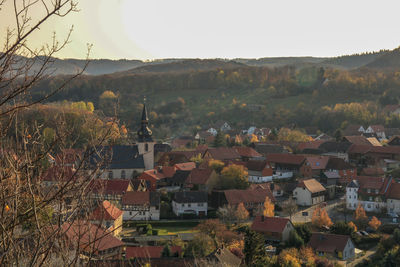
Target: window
(369, 190)
(146, 147)
(110, 175)
(370, 198)
(354, 205)
(376, 191)
(189, 205)
(123, 174)
(369, 206)
(183, 204)
(200, 204)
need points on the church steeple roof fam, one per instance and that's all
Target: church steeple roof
(144, 133)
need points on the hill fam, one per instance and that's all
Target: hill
(354, 61)
(184, 65)
(388, 60)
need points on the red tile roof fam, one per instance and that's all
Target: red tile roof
(358, 140)
(89, 237)
(328, 242)
(247, 152)
(59, 174)
(378, 128)
(286, 159)
(312, 185)
(394, 191)
(361, 149)
(106, 211)
(269, 224)
(149, 252)
(187, 166)
(199, 176)
(223, 153)
(136, 198)
(318, 163)
(110, 187)
(236, 196)
(372, 172)
(310, 145)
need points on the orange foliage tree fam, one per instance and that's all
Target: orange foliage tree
(268, 207)
(374, 223)
(321, 218)
(361, 218)
(352, 225)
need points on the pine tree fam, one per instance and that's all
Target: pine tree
(219, 140)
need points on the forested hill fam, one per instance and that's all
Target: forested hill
(185, 95)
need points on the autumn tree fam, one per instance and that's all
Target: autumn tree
(254, 249)
(233, 177)
(352, 226)
(241, 213)
(227, 214)
(268, 207)
(374, 223)
(360, 216)
(289, 206)
(321, 218)
(200, 246)
(216, 165)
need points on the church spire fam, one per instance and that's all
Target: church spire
(144, 133)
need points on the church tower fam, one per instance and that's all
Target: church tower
(145, 140)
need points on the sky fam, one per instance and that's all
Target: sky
(152, 29)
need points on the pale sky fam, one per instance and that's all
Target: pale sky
(149, 29)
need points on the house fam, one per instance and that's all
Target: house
(276, 189)
(202, 179)
(107, 216)
(324, 137)
(392, 109)
(157, 177)
(201, 137)
(247, 153)
(337, 246)
(265, 149)
(252, 199)
(222, 126)
(222, 153)
(221, 257)
(357, 140)
(370, 192)
(91, 240)
(112, 190)
(364, 156)
(190, 202)
(68, 157)
(390, 132)
(285, 165)
(353, 129)
(185, 166)
(313, 166)
(58, 175)
(118, 161)
(273, 228)
(393, 199)
(139, 206)
(340, 170)
(379, 130)
(335, 149)
(259, 171)
(374, 172)
(309, 192)
(150, 252)
(173, 157)
(176, 182)
(394, 141)
(182, 142)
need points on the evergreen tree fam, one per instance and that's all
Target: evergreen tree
(219, 140)
(253, 247)
(166, 251)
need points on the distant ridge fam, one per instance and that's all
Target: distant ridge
(388, 60)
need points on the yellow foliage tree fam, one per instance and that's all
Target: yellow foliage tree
(216, 165)
(108, 94)
(269, 208)
(254, 138)
(241, 213)
(289, 257)
(374, 223)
